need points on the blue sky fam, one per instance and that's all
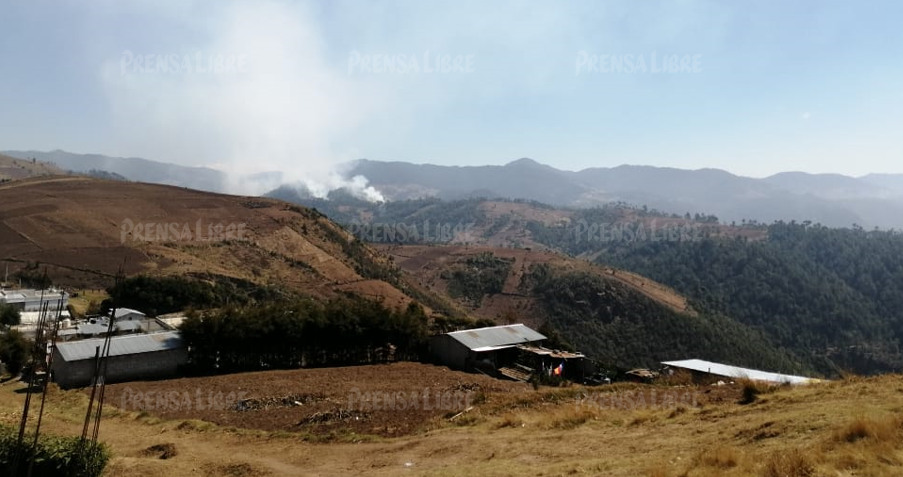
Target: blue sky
(812, 86)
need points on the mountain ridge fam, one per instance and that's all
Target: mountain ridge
(836, 200)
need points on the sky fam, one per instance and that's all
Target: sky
(301, 87)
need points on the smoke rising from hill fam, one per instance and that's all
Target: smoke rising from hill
(255, 94)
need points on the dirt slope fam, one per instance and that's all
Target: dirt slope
(427, 263)
(82, 230)
(13, 169)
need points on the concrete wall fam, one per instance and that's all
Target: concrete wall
(135, 367)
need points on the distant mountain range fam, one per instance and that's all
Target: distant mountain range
(132, 168)
(830, 199)
(875, 200)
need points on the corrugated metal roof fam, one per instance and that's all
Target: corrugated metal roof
(729, 371)
(496, 336)
(122, 345)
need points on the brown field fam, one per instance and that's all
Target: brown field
(73, 227)
(845, 428)
(317, 400)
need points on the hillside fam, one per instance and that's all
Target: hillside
(82, 230)
(842, 428)
(132, 168)
(833, 296)
(12, 168)
(501, 222)
(617, 317)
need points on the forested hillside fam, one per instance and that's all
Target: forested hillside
(832, 296)
(621, 327)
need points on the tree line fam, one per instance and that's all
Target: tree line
(303, 333)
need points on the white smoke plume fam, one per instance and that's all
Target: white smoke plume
(283, 109)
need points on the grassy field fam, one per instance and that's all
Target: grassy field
(844, 428)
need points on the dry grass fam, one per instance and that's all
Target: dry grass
(845, 428)
(721, 457)
(789, 463)
(864, 428)
(568, 417)
(509, 420)
(753, 389)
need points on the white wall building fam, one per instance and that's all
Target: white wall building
(27, 299)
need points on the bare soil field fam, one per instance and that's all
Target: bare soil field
(319, 401)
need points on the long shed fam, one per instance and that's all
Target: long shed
(131, 358)
(462, 349)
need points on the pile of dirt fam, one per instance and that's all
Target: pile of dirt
(257, 404)
(160, 451)
(334, 416)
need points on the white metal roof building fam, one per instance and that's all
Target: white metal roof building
(736, 372)
(485, 339)
(459, 348)
(27, 299)
(133, 357)
(128, 314)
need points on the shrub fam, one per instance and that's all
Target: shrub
(722, 457)
(14, 349)
(866, 428)
(9, 315)
(753, 389)
(793, 463)
(58, 456)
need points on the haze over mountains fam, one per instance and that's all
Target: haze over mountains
(874, 200)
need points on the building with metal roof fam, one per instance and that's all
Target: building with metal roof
(483, 339)
(736, 372)
(463, 349)
(27, 299)
(131, 358)
(124, 314)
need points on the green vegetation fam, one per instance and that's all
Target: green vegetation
(55, 455)
(9, 315)
(303, 333)
(14, 349)
(161, 295)
(479, 275)
(833, 297)
(622, 328)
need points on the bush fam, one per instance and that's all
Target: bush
(9, 315)
(14, 348)
(58, 456)
(791, 463)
